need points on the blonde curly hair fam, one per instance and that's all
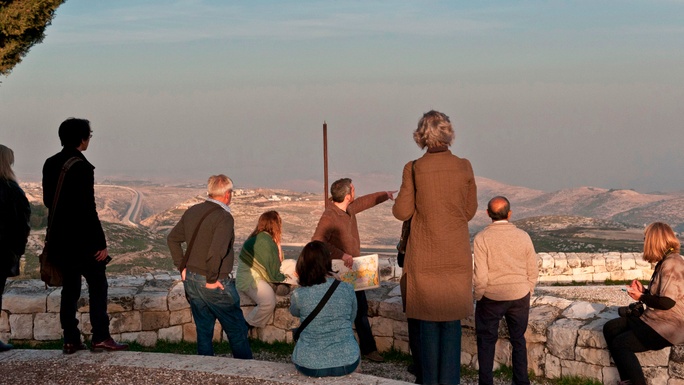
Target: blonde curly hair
(434, 130)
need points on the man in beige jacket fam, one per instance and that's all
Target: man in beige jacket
(504, 277)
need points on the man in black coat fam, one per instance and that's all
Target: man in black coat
(76, 241)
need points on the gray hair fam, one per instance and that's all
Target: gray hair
(434, 130)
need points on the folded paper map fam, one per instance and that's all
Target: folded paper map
(364, 272)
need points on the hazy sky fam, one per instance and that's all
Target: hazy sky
(547, 95)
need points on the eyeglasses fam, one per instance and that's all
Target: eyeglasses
(91, 135)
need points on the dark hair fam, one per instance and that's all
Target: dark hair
(339, 189)
(500, 212)
(73, 131)
(314, 264)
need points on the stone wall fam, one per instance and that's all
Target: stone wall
(564, 337)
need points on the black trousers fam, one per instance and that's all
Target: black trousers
(363, 328)
(626, 336)
(488, 313)
(94, 273)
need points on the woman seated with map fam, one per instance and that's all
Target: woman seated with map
(259, 269)
(326, 345)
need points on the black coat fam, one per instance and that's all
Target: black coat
(75, 233)
(15, 213)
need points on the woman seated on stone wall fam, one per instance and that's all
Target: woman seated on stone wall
(259, 269)
(657, 320)
(326, 346)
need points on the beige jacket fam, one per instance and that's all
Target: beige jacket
(439, 264)
(505, 263)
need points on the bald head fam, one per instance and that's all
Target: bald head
(499, 208)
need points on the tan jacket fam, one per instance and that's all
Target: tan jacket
(505, 263)
(439, 264)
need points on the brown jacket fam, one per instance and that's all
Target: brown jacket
(668, 281)
(439, 264)
(212, 252)
(338, 229)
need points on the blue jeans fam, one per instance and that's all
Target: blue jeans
(488, 313)
(440, 352)
(207, 306)
(329, 372)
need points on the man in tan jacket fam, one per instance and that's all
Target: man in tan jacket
(504, 277)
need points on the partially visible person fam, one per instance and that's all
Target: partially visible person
(504, 278)
(339, 230)
(258, 271)
(77, 244)
(441, 199)
(327, 346)
(15, 213)
(206, 275)
(662, 305)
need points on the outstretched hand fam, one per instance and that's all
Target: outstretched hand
(390, 194)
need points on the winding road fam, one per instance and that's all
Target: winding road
(133, 214)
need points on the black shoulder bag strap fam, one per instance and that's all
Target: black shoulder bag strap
(184, 262)
(67, 165)
(318, 308)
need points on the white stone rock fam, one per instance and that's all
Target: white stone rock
(4, 322)
(383, 327)
(121, 298)
(151, 300)
(176, 298)
(560, 303)
(272, 334)
(628, 261)
(122, 322)
(284, 320)
(536, 354)
(610, 375)
(502, 352)
(46, 327)
(384, 344)
(656, 376)
(583, 310)
(53, 301)
(392, 308)
(547, 261)
(570, 368)
(180, 317)
(561, 338)
(591, 334)
(654, 358)
(24, 301)
(21, 326)
(171, 334)
(539, 320)
(592, 356)
(552, 366)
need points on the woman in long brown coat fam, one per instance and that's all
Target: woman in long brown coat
(439, 268)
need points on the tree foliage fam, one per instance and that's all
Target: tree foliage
(22, 24)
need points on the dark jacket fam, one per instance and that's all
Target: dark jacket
(15, 213)
(212, 252)
(76, 232)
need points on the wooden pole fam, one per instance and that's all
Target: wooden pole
(325, 163)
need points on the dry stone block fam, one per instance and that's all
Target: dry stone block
(613, 262)
(171, 334)
(154, 320)
(384, 344)
(628, 261)
(610, 375)
(54, 300)
(46, 327)
(656, 376)
(561, 338)
(677, 370)
(573, 261)
(151, 300)
(580, 369)
(143, 338)
(121, 299)
(539, 320)
(284, 320)
(583, 310)
(547, 261)
(176, 298)
(536, 354)
(189, 333)
(85, 326)
(179, 317)
(598, 260)
(582, 272)
(560, 303)
(21, 326)
(677, 353)
(271, 334)
(383, 327)
(552, 366)
(675, 381)
(592, 356)
(600, 276)
(654, 358)
(591, 335)
(122, 322)
(502, 352)
(392, 308)
(4, 322)
(24, 301)
(400, 330)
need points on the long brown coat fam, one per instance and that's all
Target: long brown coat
(439, 264)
